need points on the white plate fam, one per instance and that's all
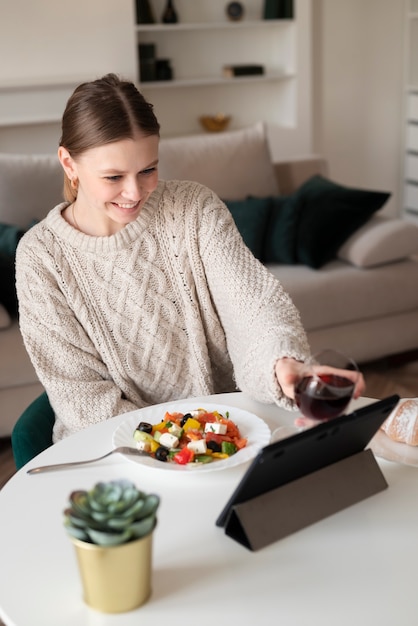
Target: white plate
(252, 427)
(385, 448)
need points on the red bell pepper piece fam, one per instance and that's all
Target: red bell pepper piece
(184, 456)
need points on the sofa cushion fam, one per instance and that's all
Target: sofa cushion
(343, 294)
(17, 370)
(234, 164)
(30, 186)
(5, 320)
(280, 244)
(310, 225)
(10, 236)
(251, 217)
(380, 241)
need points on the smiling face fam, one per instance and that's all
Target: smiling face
(114, 182)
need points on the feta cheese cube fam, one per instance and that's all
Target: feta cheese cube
(143, 445)
(215, 427)
(168, 440)
(175, 430)
(198, 446)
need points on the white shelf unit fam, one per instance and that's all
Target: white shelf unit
(410, 170)
(200, 44)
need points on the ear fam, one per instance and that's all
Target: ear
(67, 162)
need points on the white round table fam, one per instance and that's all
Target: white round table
(355, 567)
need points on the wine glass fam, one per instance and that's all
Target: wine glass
(327, 385)
(283, 432)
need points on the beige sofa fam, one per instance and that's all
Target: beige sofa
(364, 302)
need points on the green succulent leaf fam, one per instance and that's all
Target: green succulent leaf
(77, 533)
(133, 509)
(151, 505)
(75, 520)
(100, 516)
(79, 502)
(127, 502)
(120, 522)
(143, 527)
(111, 513)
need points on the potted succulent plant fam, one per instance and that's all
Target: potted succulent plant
(111, 527)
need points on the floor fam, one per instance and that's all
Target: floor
(382, 379)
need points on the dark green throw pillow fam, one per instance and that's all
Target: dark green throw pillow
(251, 217)
(310, 226)
(281, 233)
(329, 214)
(8, 297)
(9, 238)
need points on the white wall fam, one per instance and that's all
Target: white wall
(81, 38)
(358, 91)
(60, 44)
(357, 82)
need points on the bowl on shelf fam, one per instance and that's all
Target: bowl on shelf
(215, 123)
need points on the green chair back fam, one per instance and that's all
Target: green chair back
(32, 432)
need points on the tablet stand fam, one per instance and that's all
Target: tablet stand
(271, 516)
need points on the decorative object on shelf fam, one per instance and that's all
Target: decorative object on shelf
(235, 11)
(147, 62)
(195, 76)
(230, 71)
(111, 527)
(163, 69)
(215, 123)
(170, 15)
(278, 9)
(144, 14)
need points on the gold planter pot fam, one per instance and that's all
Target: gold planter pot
(115, 579)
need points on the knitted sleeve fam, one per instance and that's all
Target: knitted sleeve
(79, 387)
(259, 318)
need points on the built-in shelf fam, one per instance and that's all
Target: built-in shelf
(198, 48)
(216, 80)
(47, 101)
(182, 26)
(198, 52)
(34, 84)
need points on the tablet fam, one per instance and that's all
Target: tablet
(312, 449)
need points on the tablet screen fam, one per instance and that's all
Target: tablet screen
(310, 450)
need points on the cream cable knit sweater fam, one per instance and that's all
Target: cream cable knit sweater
(172, 306)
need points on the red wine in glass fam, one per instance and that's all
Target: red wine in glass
(323, 397)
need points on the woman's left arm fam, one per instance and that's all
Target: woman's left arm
(261, 323)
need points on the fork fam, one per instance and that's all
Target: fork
(58, 466)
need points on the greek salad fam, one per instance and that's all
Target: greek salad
(197, 437)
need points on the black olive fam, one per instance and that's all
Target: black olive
(185, 418)
(144, 427)
(214, 446)
(161, 453)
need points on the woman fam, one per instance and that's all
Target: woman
(136, 291)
